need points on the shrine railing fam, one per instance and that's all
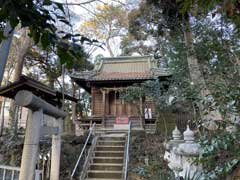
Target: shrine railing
(126, 159)
(12, 173)
(84, 150)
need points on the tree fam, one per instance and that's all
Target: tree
(130, 45)
(201, 47)
(108, 24)
(40, 18)
(134, 95)
(50, 70)
(227, 8)
(167, 20)
(39, 21)
(154, 91)
(4, 49)
(7, 78)
(23, 45)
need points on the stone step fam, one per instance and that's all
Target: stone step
(105, 174)
(101, 179)
(106, 167)
(116, 136)
(112, 160)
(111, 143)
(109, 153)
(109, 148)
(112, 138)
(107, 163)
(116, 131)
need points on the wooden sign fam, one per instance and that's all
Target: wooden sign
(122, 120)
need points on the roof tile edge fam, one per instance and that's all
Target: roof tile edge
(126, 57)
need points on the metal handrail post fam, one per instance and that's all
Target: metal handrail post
(84, 147)
(127, 151)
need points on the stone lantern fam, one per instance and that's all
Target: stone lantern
(176, 139)
(189, 151)
(180, 154)
(174, 161)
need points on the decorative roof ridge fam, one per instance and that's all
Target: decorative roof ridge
(83, 74)
(125, 57)
(98, 65)
(123, 61)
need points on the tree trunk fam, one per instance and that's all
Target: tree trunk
(198, 79)
(24, 43)
(109, 48)
(51, 83)
(2, 113)
(73, 105)
(4, 49)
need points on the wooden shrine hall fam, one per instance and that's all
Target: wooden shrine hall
(111, 75)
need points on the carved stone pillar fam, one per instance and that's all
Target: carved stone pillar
(31, 144)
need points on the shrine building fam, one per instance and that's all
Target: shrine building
(109, 76)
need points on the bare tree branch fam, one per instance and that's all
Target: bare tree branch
(119, 1)
(77, 4)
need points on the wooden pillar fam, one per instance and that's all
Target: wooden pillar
(124, 108)
(93, 101)
(107, 103)
(141, 113)
(103, 106)
(115, 103)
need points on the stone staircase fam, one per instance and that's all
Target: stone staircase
(108, 158)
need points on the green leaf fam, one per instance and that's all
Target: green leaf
(47, 2)
(60, 6)
(83, 39)
(14, 22)
(60, 17)
(61, 32)
(65, 22)
(65, 57)
(45, 40)
(77, 35)
(1, 36)
(36, 36)
(67, 36)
